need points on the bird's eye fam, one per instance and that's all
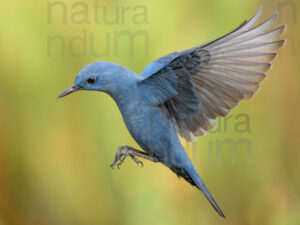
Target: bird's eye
(90, 80)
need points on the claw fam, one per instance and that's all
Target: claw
(122, 154)
(113, 164)
(142, 164)
(137, 161)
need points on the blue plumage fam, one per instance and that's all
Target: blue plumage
(148, 121)
(184, 92)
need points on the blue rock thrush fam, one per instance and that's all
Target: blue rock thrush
(184, 92)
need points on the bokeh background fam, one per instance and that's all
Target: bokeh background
(55, 155)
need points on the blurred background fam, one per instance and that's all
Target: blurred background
(55, 155)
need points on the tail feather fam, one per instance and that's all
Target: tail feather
(209, 197)
(191, 175)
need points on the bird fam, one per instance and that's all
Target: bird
(183, 93)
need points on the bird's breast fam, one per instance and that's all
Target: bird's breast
(149, 126)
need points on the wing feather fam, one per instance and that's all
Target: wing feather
(213, 78)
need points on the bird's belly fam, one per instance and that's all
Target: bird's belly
(151, 129)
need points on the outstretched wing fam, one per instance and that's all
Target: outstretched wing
(199, 84)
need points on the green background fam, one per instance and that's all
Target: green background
(55, 154)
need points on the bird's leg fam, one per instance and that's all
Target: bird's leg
(124, 151)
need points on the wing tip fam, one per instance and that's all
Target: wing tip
(281, 29)
(274, 55)
(255, 18)
(281, 43)
(284, 28)
(259, 10)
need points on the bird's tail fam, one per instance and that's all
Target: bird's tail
(191, 175)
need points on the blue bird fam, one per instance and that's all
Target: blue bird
(184, 92)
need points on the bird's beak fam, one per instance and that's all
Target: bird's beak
(69, 91)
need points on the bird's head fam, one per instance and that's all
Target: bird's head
(97, 76)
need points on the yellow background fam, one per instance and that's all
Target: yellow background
(55, 154)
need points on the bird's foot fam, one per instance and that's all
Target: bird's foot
(121, 155)
(124, 151)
